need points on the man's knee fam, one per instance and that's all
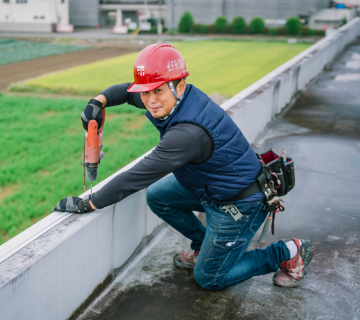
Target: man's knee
(151, 192)
(207, 282)
(156, 198)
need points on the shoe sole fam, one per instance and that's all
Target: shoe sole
(307, 250)
(179, 265)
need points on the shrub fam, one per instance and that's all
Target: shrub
(293, 26)
(211, 28)
(220, 25)
(152, 21)
(282, 31)
(273, 31)
(238, 24)
(196, 28)
(204, 28)
(265, 30)
(257, 25)
(186, 22)
(343, 21)
(153, 30)
(229, 29)
(320, 33)
(246, 30)
(305, 31)
(313, 32)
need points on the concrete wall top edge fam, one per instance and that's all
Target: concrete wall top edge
(28, 255)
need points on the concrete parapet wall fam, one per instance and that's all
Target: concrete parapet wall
(49, 270)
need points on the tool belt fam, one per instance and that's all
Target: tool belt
(276, 179)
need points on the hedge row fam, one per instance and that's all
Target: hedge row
(239, 26)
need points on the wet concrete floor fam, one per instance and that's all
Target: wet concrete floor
(322, 133)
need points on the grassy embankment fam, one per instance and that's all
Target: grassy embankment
(225, 67)
(42, 140)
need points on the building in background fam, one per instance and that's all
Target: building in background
(121, 15)
(118, 14)
(207, 11)
(331, 19)
(106, 13)
(35, 15)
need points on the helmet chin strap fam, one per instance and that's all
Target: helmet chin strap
(172, 88)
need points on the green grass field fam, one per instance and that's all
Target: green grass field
(225, 67)
(12, 50)
(42, 144)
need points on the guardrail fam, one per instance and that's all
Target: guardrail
(57, 265)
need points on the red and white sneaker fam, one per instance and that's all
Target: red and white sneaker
(292, 272)
(186, 260)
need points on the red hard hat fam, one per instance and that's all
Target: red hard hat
(156, 65)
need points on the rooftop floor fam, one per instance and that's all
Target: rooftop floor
(322, 133)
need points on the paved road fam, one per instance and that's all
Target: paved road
(107, 33)
(322, 133)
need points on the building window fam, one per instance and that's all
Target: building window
(21, 1)
(6, 1)
(62, 1)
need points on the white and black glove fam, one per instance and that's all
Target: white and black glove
(74, 205)
(92, 112)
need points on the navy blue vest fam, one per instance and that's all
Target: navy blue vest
(233, 165)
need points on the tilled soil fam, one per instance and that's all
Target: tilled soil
(19, 71)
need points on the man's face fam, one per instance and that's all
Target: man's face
(161, 101)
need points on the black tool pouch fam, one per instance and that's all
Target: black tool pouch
(285, 172)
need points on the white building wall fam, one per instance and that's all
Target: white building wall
(34, 15)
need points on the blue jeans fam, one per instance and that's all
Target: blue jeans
(223, 261)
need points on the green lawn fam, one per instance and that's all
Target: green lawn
(42, 144)
(225, 67)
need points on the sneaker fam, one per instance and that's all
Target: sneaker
(292, 272)
(186, 260)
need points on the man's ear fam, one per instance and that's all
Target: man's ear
(180, 89)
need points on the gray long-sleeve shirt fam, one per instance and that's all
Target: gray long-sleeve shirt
(183, 144)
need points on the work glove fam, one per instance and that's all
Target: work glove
(74, 205)
(92, 112)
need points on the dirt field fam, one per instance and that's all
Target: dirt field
(32, 68)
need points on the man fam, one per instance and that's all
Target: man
(213, 166)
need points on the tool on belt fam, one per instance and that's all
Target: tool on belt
(276, 180)
(92, 149)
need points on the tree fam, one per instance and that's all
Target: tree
(186, 22)
(238, 24)
(220, 25)
(293, 25)
(257, 25)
